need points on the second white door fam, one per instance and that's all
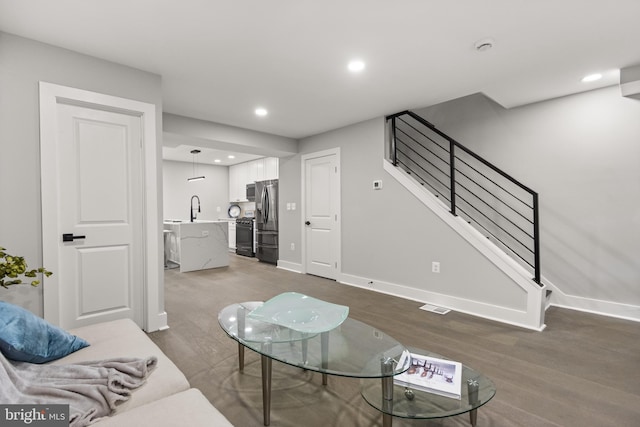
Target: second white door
(321, 214)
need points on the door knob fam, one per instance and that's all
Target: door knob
(307, 223)
(69, 237)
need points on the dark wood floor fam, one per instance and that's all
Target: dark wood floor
(583, 370)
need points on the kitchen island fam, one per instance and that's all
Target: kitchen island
(197, 245)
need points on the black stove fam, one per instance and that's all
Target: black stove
(244, 236)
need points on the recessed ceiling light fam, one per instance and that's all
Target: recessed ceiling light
(591, 78)
(261, 112)
(356, 66)
(231, 156)
(217, 161)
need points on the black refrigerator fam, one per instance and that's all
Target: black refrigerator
(267, 220)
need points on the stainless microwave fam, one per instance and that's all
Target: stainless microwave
(251, 192)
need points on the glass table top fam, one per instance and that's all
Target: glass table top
(352, 348)
(301, 313)
(412, 402)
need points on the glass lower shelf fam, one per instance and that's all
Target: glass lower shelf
(412, 402)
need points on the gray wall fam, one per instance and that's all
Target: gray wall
(213, 191)
(388, 235)
(581, 154)
(23, 63)
(289, 187)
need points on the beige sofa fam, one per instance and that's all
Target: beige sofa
(166, 399)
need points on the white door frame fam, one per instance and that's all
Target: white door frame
(338, 229)
(154, 316)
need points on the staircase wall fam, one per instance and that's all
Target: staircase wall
(580, 153)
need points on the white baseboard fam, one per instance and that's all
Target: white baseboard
(160, 323)
(591, 305)
(290, 266)
(510, 316)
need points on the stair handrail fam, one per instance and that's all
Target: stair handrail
(455, 144)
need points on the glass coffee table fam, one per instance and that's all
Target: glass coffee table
(350, 349)
(411, 402)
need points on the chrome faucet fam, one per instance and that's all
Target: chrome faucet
(193, 216)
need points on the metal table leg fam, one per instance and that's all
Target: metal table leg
(240, 357)
(240, 315)
(386, 367)
(324, 349)
(387, 420)
(266, 383)
(305, 351)
(472, 391)
(473, 417)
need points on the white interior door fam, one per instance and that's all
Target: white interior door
(321, 214)
(98, 179)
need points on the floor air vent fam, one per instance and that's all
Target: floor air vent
(435, 309)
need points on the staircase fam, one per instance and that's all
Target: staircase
(494, 203)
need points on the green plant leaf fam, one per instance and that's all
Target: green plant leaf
(12, 266)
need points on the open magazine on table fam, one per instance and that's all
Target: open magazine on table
(439, 376)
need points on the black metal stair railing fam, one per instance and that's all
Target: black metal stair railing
(502, 208)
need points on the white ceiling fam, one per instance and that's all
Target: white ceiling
(182, 153)
(219, 60)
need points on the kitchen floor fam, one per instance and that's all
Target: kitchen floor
(581, 371)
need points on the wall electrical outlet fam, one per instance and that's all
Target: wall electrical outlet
(293, 246)
(435, 267)
(205, 233)
(377, 184)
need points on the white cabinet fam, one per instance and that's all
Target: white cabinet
(238, 179)
(254, 171)
(248, 172)
(262, 169)
(232, 234)
(271, 168)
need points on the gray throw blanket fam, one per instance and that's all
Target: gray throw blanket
(91, 389)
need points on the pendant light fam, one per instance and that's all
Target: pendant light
(195, 178)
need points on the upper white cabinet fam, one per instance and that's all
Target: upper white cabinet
(238, 178)
(252, 171)
(271, 167)
(245, 173)
(256, 170)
